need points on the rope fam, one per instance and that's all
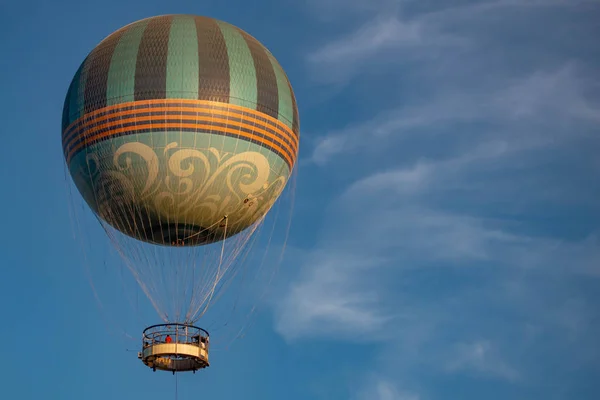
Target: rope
(179, 281)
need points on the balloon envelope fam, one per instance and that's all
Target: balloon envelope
(180, 130)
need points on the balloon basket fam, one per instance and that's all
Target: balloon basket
(175, 347)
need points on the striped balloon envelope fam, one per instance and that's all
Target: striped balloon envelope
(178, 128)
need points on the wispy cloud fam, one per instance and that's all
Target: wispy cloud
(330, 298)
(384, 33)
(445, 292)
(335, 9)
(532, 109)
(385, 38)
(480, 357)
(467, 242)
(393, 265)
(380, 388)
(398, 34)
(340, 293)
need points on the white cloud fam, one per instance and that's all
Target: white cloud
(391, 35)
(328, 10)
(341, 59)
(472, 250)
(370, 39)
(385, 253)
(339, 292)
(553, 101)
(330, 299)
(429, 175)
(480, 357)
(379, 388)
(395, 210)
(556, 93)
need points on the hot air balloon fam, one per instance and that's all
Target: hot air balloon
(180, 132)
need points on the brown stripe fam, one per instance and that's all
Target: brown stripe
(213, 61)
(266, 81)
(184, 126)
(151, 62)
(214, 107)
(164, 126)
(153, 120)
(97, 66)
(283, 137)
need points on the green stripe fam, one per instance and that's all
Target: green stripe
(97, 69)
(121, 75)
(266, 81)
(66, 109)
(182, 59)
(242, 75)
(77, 95)
(286, 109)
(69, 106)
(296, 122)
(74, 99)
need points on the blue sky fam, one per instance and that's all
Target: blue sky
(445, 242)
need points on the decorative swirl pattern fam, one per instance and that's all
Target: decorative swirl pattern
(147, 155)
(196, 187)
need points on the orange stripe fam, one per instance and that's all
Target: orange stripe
(287, 132)
(275, 121)
(291, 148)
(178, 125)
